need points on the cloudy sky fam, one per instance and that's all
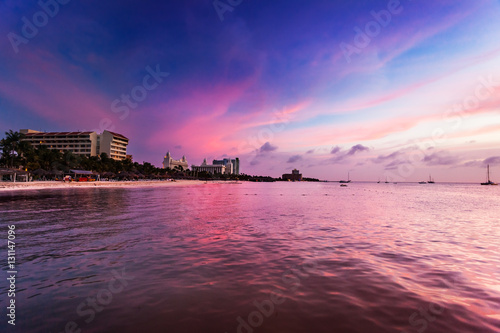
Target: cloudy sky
(375, 88)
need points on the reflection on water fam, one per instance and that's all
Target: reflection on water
(278, 257)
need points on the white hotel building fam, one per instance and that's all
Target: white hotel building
(170, 163)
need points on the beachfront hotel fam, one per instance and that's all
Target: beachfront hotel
(295, 176)
(170, 163)
(225, 166)
(80, 143)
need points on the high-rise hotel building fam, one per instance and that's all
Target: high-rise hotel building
(232, 165)
(80, 143)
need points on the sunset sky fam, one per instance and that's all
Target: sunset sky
(375, 88)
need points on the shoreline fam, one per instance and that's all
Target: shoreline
(43, 185)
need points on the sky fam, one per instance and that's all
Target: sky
(374, 89)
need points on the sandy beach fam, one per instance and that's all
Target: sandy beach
(39, 185)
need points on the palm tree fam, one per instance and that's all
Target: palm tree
(47, 158)
(127, 165)
(71, 161)
(14, 150)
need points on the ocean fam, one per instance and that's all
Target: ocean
(254, 257)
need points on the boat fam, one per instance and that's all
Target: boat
(431, 181)
(422, 182)
(489, 182)
(386, 180)
(346, 181)
(343, 185)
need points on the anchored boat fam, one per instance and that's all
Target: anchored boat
(346, 181)
(489, 182)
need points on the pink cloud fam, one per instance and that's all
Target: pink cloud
(200, 118)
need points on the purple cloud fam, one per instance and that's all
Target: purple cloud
(440, 158)
(357, 148)
(492, 160)
(472, 164)
(340, 156)
(383, 158)
(394, 164)
(267, 147)
(294, 159)
(335, 150)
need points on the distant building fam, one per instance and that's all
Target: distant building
(169, 162)
(213, 168)
(80, 143)
(232, 165)
(294, 176)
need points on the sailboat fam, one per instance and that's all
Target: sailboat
(489, 182)
(431, 181)
(346, 181)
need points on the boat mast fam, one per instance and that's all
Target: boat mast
(488, 173)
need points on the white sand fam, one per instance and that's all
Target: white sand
(37, 185)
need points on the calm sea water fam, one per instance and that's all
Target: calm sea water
(254, 257)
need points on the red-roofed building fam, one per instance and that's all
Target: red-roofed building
(80, 143)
